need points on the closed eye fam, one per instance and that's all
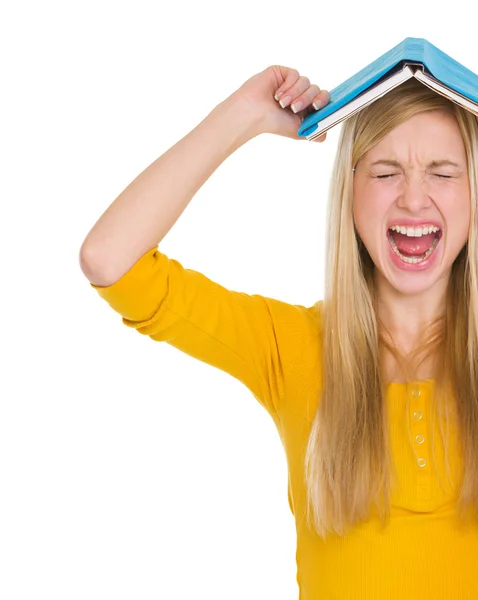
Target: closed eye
(393, 175)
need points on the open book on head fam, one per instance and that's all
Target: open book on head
(414, 57)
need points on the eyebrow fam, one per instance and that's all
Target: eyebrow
(434, 163)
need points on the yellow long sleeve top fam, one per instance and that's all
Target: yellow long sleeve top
(274, 349)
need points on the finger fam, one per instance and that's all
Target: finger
(322, 98)
(312, 102)
(305, 99)
(289, 77)
(321, 138)
(320, 101)
(290, 94)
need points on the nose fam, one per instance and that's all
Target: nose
(414, 194)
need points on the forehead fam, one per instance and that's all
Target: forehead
(432, 134)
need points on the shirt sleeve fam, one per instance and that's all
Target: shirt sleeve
(251, 337)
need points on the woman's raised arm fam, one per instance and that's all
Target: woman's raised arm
(148, 208)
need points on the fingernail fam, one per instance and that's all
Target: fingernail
(285, 101)
(317, 104)
(297, 106)
(278, 95)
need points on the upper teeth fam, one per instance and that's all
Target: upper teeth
(415, 231)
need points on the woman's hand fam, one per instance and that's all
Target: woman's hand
(264, 92)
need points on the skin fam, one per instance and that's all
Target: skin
(408, 301)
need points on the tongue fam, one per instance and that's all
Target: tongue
(413, 246)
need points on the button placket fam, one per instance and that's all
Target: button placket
(418, 425)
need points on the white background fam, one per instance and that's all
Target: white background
(128, 469)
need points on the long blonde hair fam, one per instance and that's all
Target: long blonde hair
(348, 465)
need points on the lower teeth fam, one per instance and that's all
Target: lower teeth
(413, 259)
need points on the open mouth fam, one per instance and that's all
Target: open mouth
(413, 250)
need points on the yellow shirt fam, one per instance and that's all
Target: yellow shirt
(274, 349)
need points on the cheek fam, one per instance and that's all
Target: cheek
(362, 219)
(457, 215)
(361, 208)
(369, 212)
(460, 231)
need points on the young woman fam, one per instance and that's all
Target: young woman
(374, 390)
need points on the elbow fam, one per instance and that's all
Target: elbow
(93, 268)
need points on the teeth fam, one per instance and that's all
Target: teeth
(415, 232)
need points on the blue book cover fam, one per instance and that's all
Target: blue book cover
(417, 50)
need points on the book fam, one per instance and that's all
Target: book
(413, 57)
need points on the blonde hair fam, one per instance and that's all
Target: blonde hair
(348, 464)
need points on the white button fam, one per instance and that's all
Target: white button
(417, 415)
(421, 462)
(416, 392)
(420, 438)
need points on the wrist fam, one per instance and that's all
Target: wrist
(238, 118)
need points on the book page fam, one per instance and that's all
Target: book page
(374, 92)
(446, 91)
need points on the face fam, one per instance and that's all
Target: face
(404, 179)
